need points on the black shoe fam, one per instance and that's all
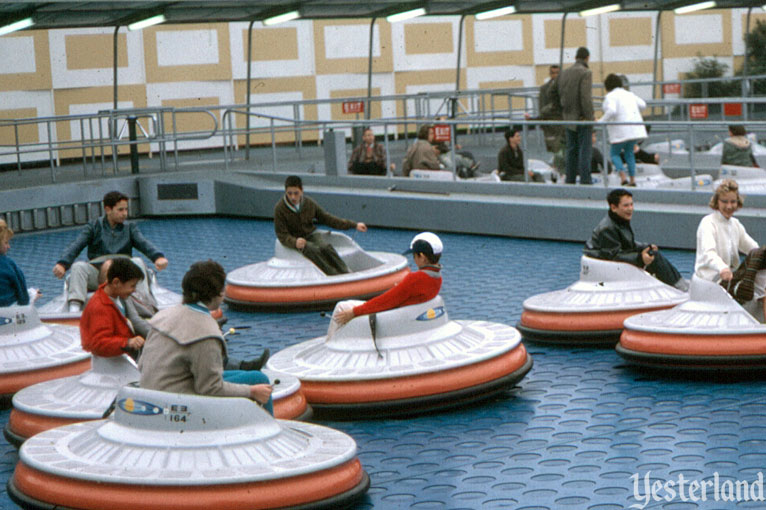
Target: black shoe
(257, 363)
(624, 183)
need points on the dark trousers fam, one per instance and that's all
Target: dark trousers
(579, 154)
(324, 255)
(663, 270)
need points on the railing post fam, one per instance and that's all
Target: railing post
(691, 156)
(273, 147)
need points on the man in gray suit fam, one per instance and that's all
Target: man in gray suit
(574, 89)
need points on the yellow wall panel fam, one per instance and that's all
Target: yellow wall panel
(502, 101)
(41, 78)
(630, 31)
(573, 37)
(273, 44)
(27, 133)
(95, 51)
(426, 38)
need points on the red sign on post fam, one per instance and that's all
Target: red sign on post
(671, 88)
(353, 106)
(441, 133)
(698, 111)
(732, 109)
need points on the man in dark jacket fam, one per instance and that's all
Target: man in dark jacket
(612, 239)
(574, 90)
(294, 217)
(105, 237)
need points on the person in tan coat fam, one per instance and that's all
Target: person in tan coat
(421, 155)
(185, 349)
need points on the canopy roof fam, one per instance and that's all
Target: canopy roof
(71, 13)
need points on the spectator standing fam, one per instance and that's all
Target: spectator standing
(622, 105)
(574, 90)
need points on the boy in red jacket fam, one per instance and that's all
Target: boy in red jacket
(418, 287)
(104, 329)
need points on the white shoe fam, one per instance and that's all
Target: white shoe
(75, 306)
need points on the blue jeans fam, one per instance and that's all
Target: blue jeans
(249, 377)
(625, 148)
(579, 154)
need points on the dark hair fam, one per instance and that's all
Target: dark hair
(510, 132)
(124, 270)
(738, 130)
(421, 246)
(442, 147)
(614, 196)
(582, 53)
(293, 181)
(111, 198)
(611, 82)
(554, 66)
(423, 131)
(203, 281)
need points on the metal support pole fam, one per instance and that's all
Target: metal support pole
(369, 71)
(656, 54)
(524, 155)
(563, 32)
(249, 66)
(114, 65)
(459, 48)
(692, 171)
(133, 147)
(745, 79)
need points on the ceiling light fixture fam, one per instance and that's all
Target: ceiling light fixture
(148, 22)
(401, 16)
(494, 13)
(600, 10)
(16, 26)
(694, 7)
(282, 18)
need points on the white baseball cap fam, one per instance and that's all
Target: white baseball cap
(426, 242)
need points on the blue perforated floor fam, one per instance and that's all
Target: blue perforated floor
(576, 433)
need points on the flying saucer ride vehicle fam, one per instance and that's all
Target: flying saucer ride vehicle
(405, 361)
(289, 281)
(591, 311)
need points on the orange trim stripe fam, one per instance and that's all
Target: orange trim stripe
(588, 321)
(27, 425)
(310, 293)
(291, 406)
(13, 382)
(86, 495)
(379, 390)
(64, 322)
(694, 345)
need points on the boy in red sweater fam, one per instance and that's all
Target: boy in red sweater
(104, 329)
(418, 287)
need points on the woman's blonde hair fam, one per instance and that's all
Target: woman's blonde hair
(5, 232)
(726, 186)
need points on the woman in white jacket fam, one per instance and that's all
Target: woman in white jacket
(621, 105)
(721, 237)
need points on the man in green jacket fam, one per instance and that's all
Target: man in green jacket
(294, 217)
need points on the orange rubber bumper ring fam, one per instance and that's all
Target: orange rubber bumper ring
(381, 390)
(587, 321)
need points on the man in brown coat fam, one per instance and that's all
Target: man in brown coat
(574, 89)
(294, 217)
